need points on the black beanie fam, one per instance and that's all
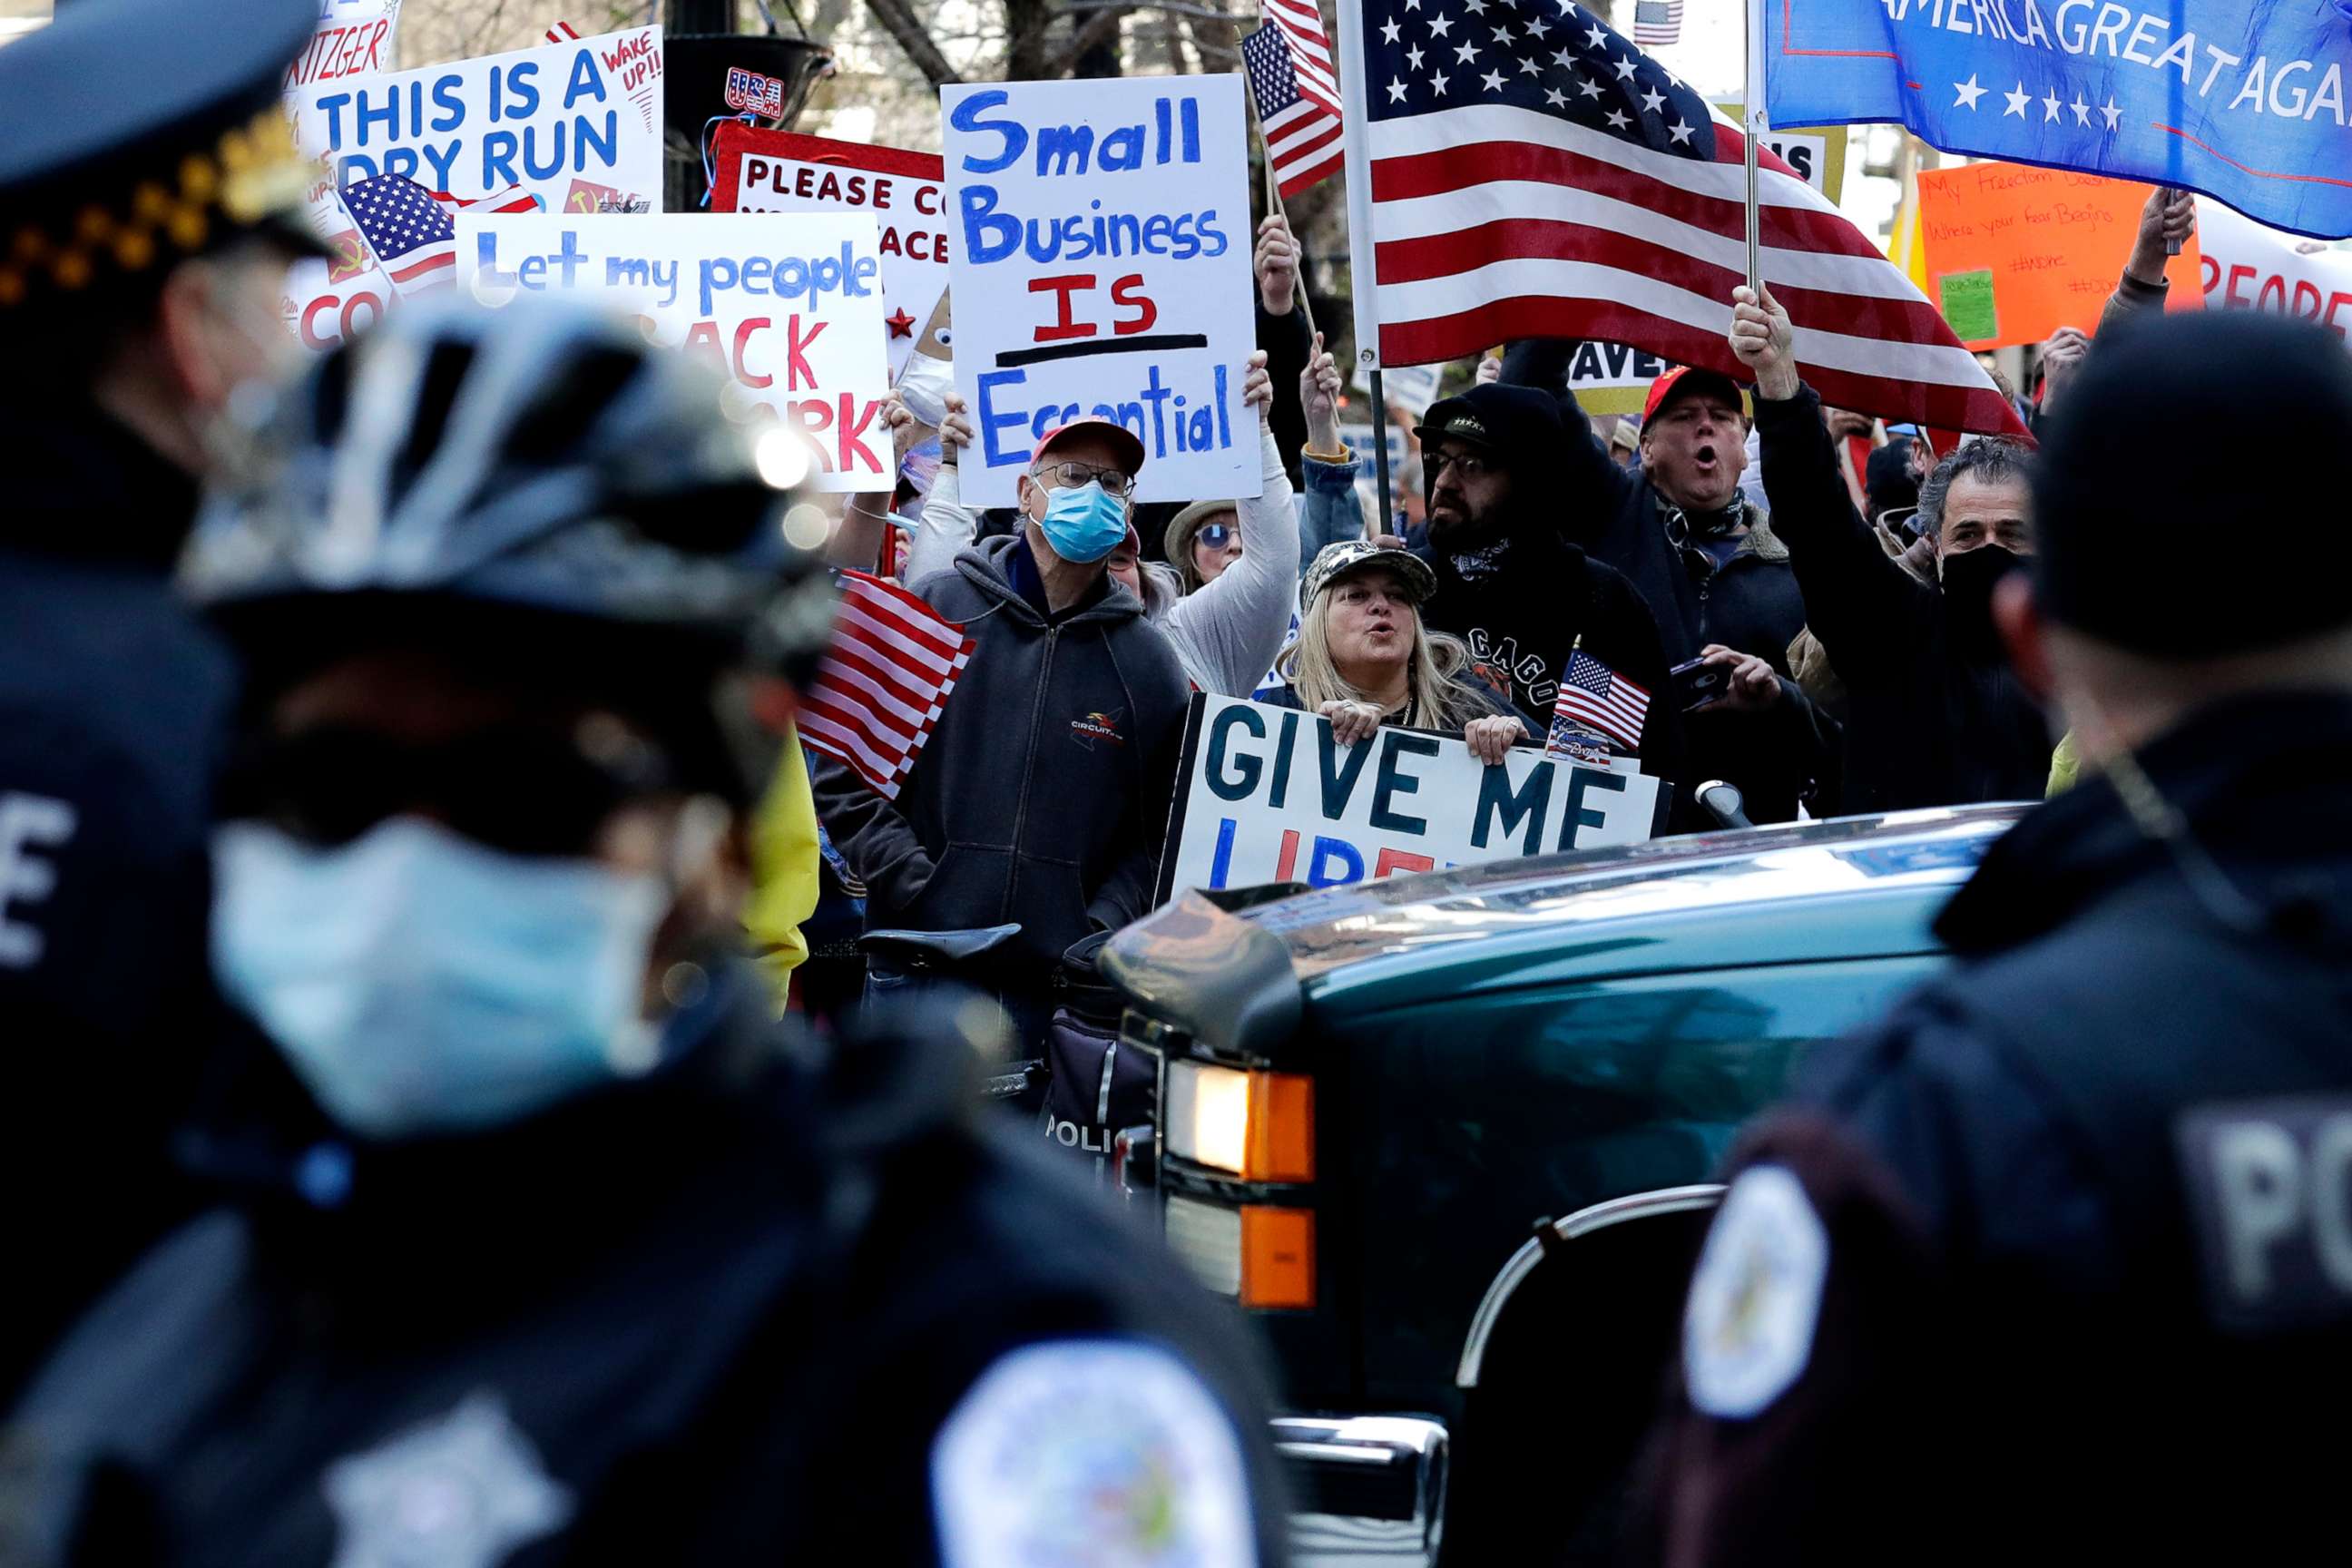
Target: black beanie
(1520, 423)
(2155, 532)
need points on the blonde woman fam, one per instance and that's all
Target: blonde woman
(1363, 660)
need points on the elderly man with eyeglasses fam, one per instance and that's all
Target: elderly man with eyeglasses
(1041, 798)
(1225, 627)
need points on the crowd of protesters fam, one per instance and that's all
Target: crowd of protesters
(452, 888)
(1814, 628)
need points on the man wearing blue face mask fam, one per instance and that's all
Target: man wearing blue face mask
(541, 1239)
(1041, 798)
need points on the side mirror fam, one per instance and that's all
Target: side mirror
(1724, 802)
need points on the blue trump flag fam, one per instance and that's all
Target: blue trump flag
(2242, 100)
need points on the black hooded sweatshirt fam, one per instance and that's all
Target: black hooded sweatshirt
(1524, 603)
(1935, 716)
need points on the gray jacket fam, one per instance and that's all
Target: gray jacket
(1227, 634)
(1042, 795)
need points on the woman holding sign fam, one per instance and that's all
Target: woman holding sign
(1363, 658)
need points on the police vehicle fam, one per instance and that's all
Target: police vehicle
(1449, 1140)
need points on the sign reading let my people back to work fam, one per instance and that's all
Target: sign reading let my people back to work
(1267, 795)
(1100, 262)
(577, 124)
(791, 306)
(763, 171)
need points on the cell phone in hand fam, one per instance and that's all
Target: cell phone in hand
(1697, 682)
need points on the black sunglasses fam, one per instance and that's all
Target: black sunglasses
(526, 790)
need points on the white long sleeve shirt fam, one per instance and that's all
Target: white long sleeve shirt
(1227, 635)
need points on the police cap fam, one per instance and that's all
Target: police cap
(2157, 531)
(135, 133)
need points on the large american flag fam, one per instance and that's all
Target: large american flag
(1531, 174)
(894, 662)
(1303, 139)
(413, 230)
(1594, 697)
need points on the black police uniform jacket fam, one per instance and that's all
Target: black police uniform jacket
(717, 1315)
(2055, 1265)
(1935, 716)
(112, 698)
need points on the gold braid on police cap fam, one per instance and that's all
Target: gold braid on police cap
(251, 173)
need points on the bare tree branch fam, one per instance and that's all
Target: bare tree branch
(1174, 7)
(915, 39)
(1100, 29)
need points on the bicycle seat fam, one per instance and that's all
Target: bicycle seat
(937, 949)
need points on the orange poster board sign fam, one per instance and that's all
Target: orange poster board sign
(2014, 253)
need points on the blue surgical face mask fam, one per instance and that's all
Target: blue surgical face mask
(1083, 524)
(421, 983)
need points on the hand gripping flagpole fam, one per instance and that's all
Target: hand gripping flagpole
(1753, 125)
(1272, 184)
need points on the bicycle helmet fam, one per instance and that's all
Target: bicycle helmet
(566, 496)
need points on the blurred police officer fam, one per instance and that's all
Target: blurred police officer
(146, 176)
(2056, 1263)
(550, 1247)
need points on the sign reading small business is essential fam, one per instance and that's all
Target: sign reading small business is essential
(1265, 794)
(789, 306)
(577, 124)
(763, 171)
(1100, 254)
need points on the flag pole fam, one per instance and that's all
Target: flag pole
(1751, 104)
(1274, 184)
(1366, 293)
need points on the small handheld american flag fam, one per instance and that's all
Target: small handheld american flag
(895, 662)
(413, 229)
(1304, 139)
(1594, 697)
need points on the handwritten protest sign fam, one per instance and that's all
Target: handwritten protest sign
(763, 171)
(1267, 795)
(2015, 253)
(353, 38)
(577, 124)
(2248, 265)
(1101, 259)
(790, 307)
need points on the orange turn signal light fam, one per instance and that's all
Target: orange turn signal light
(1281, 1128)
(1277, 1258)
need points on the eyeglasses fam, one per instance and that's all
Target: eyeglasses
(1472, 466)
(1070, 476)
(528, 791)
(1217, 536)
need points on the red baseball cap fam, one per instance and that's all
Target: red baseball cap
(1124, 441)
(1667, 386)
